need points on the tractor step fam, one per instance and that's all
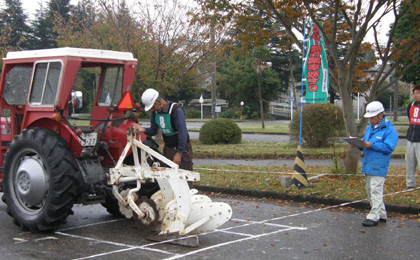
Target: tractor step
(186, 240)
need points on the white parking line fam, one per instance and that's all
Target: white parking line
(235, 233)
(227, 243)
(265, 223)
(92, 224)
(279, 231)
(225, 230)
(128, 247)
(174, 255)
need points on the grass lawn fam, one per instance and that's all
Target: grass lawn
(271, 129)
(284, 129)
(331, 186)
(349, 187)
(269, 150)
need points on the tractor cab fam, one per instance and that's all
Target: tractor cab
(45, 88)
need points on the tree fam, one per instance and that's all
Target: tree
(237, 81)
(407, 29)
(259, 65)
(251, 30)
(171, 51)
(359, 19)
(13, 24)
(13, 28)
(344, 26)
(44, 36)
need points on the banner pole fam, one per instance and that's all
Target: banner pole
(303, 73)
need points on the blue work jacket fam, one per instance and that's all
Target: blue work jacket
(384, 139)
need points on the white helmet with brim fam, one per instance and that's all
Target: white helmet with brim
(148, 98)
(373, 109)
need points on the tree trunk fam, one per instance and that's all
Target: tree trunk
(353, 154)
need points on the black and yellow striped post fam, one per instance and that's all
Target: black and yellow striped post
(299, 178)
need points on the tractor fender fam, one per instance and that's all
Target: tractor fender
(63, 130)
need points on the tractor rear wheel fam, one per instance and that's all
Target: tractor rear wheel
(111, 204)
(39, 180)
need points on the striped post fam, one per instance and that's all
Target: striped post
(299, 178)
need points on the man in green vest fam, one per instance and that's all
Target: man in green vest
(169, 117)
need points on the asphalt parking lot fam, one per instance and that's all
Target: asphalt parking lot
(259, 229)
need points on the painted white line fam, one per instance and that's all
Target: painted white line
(128, 247)
(235, 233)
(248, 236)
(338, 206)
(226, 243)
(265, 223)
(275, 232)
(19, 240)
(104, 254)
(45, 238)
(93, 224)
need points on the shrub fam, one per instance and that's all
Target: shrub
(230, 113)
(221, 130)
(320, 124)
(191, 113)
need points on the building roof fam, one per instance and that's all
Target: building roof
(72, 52)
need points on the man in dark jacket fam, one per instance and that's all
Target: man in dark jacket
(379, 142)
(170, 119)
(412, 155)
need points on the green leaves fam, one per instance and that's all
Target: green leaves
(220, 131)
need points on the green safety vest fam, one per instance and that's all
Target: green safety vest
(164, 123)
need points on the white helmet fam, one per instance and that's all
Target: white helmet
(148, 98)
(373, 109)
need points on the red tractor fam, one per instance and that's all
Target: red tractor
(51, 160)
(47, 162)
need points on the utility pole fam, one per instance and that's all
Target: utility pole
(259, 68)
(213, 75)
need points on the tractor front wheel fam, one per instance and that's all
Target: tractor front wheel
(39, 180)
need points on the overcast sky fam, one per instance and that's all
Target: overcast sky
(30, 7)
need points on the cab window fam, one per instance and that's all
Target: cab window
(45, 83)
(111, 86)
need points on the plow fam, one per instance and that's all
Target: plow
(176, 213)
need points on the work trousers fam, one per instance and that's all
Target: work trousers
(412, 159)
(375, 191)
(186, 157)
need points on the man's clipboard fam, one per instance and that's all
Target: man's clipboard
(357, 142)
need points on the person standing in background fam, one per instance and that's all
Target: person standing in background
(412, 155)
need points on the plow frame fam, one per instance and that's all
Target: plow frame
(172, 182)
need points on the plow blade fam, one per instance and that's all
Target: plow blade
(190, 241)
(205, 217)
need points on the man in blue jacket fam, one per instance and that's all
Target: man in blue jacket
(379, 142)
